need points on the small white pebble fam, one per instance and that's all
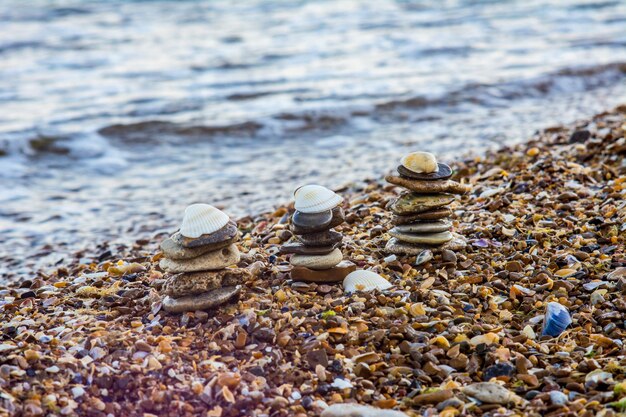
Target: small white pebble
(53, 369)
(341, 384)
(390, 258)
(78, 392)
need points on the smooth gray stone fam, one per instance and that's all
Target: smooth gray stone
(396, 247)
(302, 223)
(422, 238)
(436, 214)
(202, 301)
(424, 227)
(325, 238)
(215, 239)
(443, 172)
(301, 249)
(300, 226)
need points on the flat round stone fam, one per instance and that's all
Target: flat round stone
(396, 247)
(211, 240)
(429, 187)
(299, 248)
(424, 227)
(317, 261)
(193, 283)
(209, 261)
(325, 238)
(335, 274)
(298, 227)
(204, 301)
(411, 203)
(422, 238)
(443, 172)
(302, 223)
(173, 250)
(436, 214)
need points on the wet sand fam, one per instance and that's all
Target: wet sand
(545, 222)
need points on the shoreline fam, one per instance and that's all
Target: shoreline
(545, 222)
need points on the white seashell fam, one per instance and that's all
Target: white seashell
(362, 280)
(420, 162)
(423, 257)
(202, 219)
(314, 198)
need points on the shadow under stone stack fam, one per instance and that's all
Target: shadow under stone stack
(198, 261)
(421, 214)
(316, 256)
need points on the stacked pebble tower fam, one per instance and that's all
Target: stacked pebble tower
(421, 214)
(316, 256)
(198, 261)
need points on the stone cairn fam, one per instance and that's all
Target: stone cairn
(198, 261)
(421, 214)
(316, 256)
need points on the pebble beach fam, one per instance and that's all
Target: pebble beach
(459, 333)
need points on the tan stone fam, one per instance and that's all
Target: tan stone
(411, 203)
(435, 397)
(191, 283)
(421, 186)
(317, 261)
(208, 262)
(335, 274)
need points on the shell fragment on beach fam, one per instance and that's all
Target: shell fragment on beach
(420, 162)
(314, 198)
(363, 280)
(423, 257)
(556, 319)
(202, 219)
